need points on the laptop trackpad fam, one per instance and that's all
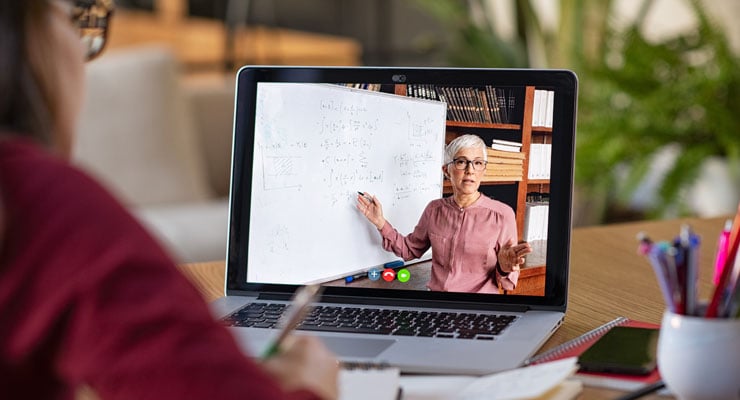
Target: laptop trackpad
(356, 347)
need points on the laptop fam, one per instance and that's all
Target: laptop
(307, 140)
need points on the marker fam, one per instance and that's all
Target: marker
(368, 198)
(348, 279)
(393, 264)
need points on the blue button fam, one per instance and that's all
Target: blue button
(374, 274)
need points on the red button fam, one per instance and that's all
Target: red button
(389, 274)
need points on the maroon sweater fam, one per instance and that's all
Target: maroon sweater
(87, 296)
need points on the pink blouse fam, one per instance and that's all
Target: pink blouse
(464, 241)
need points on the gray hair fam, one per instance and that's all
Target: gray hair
(462, 142)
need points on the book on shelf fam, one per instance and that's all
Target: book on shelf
(505, 154)
(536, 220)
(503, 172)
(503, 160)
(374, 87)
(485, 105)
(491, 178)
(542, 108)
(507, 142)
(504, 167)
(540, 156)
(577, 346)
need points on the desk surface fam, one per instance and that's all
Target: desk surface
(608, 278)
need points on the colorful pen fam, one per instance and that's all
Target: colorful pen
(714, 309)
(722, 245)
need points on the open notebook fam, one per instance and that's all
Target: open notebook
(307, 139)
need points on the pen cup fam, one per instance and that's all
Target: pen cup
(699, 358)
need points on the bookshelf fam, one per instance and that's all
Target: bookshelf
(514, 192)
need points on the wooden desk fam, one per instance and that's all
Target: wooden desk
(608, 278)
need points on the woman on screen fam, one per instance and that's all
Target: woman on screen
(473, 237)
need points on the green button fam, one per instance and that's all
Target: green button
(403, 275)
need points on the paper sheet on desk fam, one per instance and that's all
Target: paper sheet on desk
(369, 384)
(521, 383)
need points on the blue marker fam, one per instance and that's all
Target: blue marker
(351, 278)
(393, 264)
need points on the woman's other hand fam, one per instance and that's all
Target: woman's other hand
(305, 363)
(371, 208)
(511, 256)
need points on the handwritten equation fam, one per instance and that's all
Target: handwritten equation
(315, 146)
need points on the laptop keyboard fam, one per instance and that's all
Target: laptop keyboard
(378, 321)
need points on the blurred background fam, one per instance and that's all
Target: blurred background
(659, 95)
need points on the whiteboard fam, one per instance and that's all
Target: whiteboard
(315, 147)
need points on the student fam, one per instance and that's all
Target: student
(473, 238)
(87, 299)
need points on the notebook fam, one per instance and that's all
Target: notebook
(578, 345)
(308, 139)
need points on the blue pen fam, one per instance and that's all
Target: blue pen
(657, 261)
(688, 244)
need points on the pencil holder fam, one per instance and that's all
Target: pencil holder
(699, 358)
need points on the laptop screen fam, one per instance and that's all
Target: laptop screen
(323, 157)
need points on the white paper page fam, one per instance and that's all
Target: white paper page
(521, 383)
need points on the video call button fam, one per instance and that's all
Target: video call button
(389, 274)
(374, 274)
(403, 275)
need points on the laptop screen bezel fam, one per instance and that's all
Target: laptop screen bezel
(563, 82)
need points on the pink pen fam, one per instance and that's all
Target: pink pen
(722, 244)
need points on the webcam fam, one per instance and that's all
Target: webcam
(399, 78)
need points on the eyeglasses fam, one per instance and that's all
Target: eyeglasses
(462, 163)
(92, 18)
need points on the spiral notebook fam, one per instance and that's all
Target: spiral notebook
(369, 381)
(575, 347)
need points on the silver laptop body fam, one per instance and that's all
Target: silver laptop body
(307, 139)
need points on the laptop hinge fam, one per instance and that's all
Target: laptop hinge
(381, 301)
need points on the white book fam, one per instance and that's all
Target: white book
(536, 107)
(542, 108)
(507, 142)
(549, 108)
(504, 147)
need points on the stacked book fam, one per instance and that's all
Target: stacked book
(505, 162)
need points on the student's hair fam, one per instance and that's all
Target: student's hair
(28, 80)
(462, 142)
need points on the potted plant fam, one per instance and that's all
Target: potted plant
(637, 99)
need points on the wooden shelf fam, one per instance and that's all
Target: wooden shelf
(526, 130)
(541, 129)
(531, 282)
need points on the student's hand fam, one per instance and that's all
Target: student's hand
(370, 207)
(511, 256)
(305, 363)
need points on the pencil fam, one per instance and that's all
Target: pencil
(299, 307)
